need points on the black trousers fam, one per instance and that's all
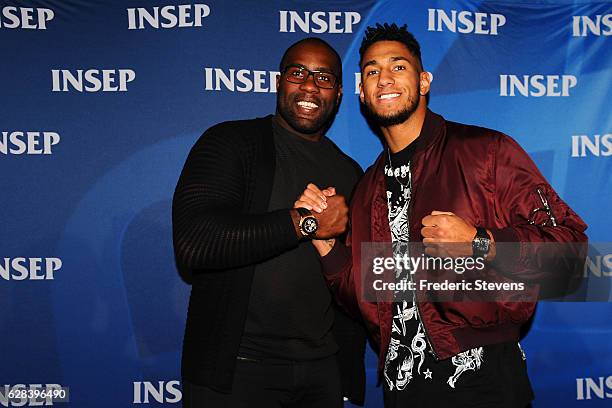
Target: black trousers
(501, 382)
(466, 399)
(273, 384)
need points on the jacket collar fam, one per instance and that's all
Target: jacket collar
(434, 128)
(432, 131)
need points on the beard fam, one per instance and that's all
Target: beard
(393, 118)
(285, 105)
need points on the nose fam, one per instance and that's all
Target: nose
(385, 78)
(309, 84)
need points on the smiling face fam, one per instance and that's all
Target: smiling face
(305, 108)
(393, 83)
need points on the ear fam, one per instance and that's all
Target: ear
(425, 79)
(339, 96)
(278, 80)
(361, 91)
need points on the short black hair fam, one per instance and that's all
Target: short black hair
(317, 40)
(390, 32)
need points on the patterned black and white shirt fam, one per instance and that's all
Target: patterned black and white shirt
(408, 359)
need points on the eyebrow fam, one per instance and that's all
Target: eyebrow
(391, 59)
(318, 69)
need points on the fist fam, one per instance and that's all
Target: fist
(446, 234)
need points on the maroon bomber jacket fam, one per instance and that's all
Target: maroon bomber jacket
(487, 179)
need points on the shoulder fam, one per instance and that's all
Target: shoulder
(472, 133)
(364, 190)
(470, 140)
(473, 136)
(495, 147)
(229, 141)
(372, 172)
(237, 130)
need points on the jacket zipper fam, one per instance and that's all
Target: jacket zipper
(432, 351)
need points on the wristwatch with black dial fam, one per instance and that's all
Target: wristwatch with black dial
(308, 223)
(481, 243)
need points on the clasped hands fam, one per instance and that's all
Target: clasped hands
(329, 209)
(444, 233)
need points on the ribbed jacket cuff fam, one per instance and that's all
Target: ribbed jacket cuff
(288, 231)
(336, 259)
(504, 234)
(508, 253)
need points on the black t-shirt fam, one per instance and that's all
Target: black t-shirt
(290, 313)
(488, 376)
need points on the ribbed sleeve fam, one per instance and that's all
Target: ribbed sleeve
(211, 226)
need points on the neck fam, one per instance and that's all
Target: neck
(311, 137)
(401, 135)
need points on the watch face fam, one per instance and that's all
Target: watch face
(310, 225)
(481, 245)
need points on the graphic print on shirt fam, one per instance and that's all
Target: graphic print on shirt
(468, 360)
(409, 355)
(402, 354)
(398, 351)
(398, 206)
(408, 343)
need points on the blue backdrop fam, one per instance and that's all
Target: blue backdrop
(102, 100)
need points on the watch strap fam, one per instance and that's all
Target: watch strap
(304, 212)
(481, 232)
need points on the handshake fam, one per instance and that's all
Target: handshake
(328, 208)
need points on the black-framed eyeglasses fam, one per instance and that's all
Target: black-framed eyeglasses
(298, 74)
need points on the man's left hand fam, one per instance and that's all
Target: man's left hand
(443, 227)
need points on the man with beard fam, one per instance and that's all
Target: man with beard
(438, 182)
(259, 326)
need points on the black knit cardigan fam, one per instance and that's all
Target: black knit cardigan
(221, 229)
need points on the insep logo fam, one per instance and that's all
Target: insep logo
(598, 145)
(318, 22)
(163, 391)
(591, 388)
(28, 142)
(29, 268)
(92, 80)
(25, 17)
(240, 80)
(598, 265)
(185, 15)
(468, 22)
(585, 25)
(536, 85)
